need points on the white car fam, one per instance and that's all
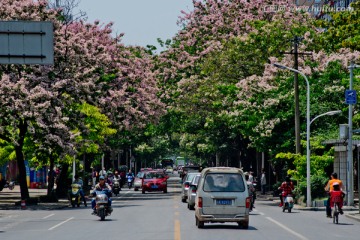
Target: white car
(222, 196)
(169, 170)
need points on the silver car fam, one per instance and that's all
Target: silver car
(222, 196)
(138, 181)
(192, 192)
(185, 185)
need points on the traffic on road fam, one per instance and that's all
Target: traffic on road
(163, 215)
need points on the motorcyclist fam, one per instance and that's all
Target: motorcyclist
(79, 181)
(102, 185)
(130, 176)
(287, 187)
(117, 177)
(252, 191)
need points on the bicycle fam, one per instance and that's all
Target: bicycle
(337, 201)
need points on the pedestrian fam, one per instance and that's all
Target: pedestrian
(263, 181)
(330, 187)
(103, 172)
(251, 177)
(94, 175)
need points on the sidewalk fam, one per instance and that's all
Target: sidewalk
(11, 200)
(349, 211)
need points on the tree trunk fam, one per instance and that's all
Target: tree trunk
(20, 161)
(62, 186)
(217, 159)
(51, 177)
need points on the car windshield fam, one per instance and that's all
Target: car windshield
(154, 175)
(224, 182)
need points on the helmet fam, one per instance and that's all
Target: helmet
(101, 177)
(335, 184)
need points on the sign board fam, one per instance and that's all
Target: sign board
(350, 96)
(26, 42)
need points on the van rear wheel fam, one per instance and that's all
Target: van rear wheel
(199, 224)
(244, 224)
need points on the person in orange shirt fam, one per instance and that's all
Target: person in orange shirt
(330, 187)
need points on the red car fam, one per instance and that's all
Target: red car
(154, 181)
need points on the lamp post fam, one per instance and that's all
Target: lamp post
(308, 184)
(324, 114)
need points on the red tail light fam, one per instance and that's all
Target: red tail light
(200, 202)
(193, 190)
(248, 202)
(187, 185)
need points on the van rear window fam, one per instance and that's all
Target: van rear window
(224, 182)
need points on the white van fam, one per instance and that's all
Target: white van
(222, 196)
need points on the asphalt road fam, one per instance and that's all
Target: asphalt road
(162, 216)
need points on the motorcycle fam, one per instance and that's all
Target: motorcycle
(102, 208)
(116, 186)
(288, 203)
(130, 180)
(75, 198)
(6, 184)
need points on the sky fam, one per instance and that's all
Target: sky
(142, 21)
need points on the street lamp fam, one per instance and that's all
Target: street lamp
(308, 184)
(326, 114)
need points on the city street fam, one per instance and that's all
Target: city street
(163, 216)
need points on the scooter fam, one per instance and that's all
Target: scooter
(116, 186)
(75, 198)
(6, 184)
(130, 180)
(102, 208)
(288, 203)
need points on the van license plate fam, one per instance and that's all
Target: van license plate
(223, 202)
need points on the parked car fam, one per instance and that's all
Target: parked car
(222, 196)
(186, 184)
(154, 181)
(192, 192)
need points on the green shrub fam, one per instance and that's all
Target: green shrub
(318, 183)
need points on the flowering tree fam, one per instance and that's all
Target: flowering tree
(42, 102)
(220, 45)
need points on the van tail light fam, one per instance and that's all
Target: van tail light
(200, 204)
(193, 190)
(187, 185)
(248, 202)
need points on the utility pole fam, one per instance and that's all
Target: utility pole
(296, 40)
(351, 99)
